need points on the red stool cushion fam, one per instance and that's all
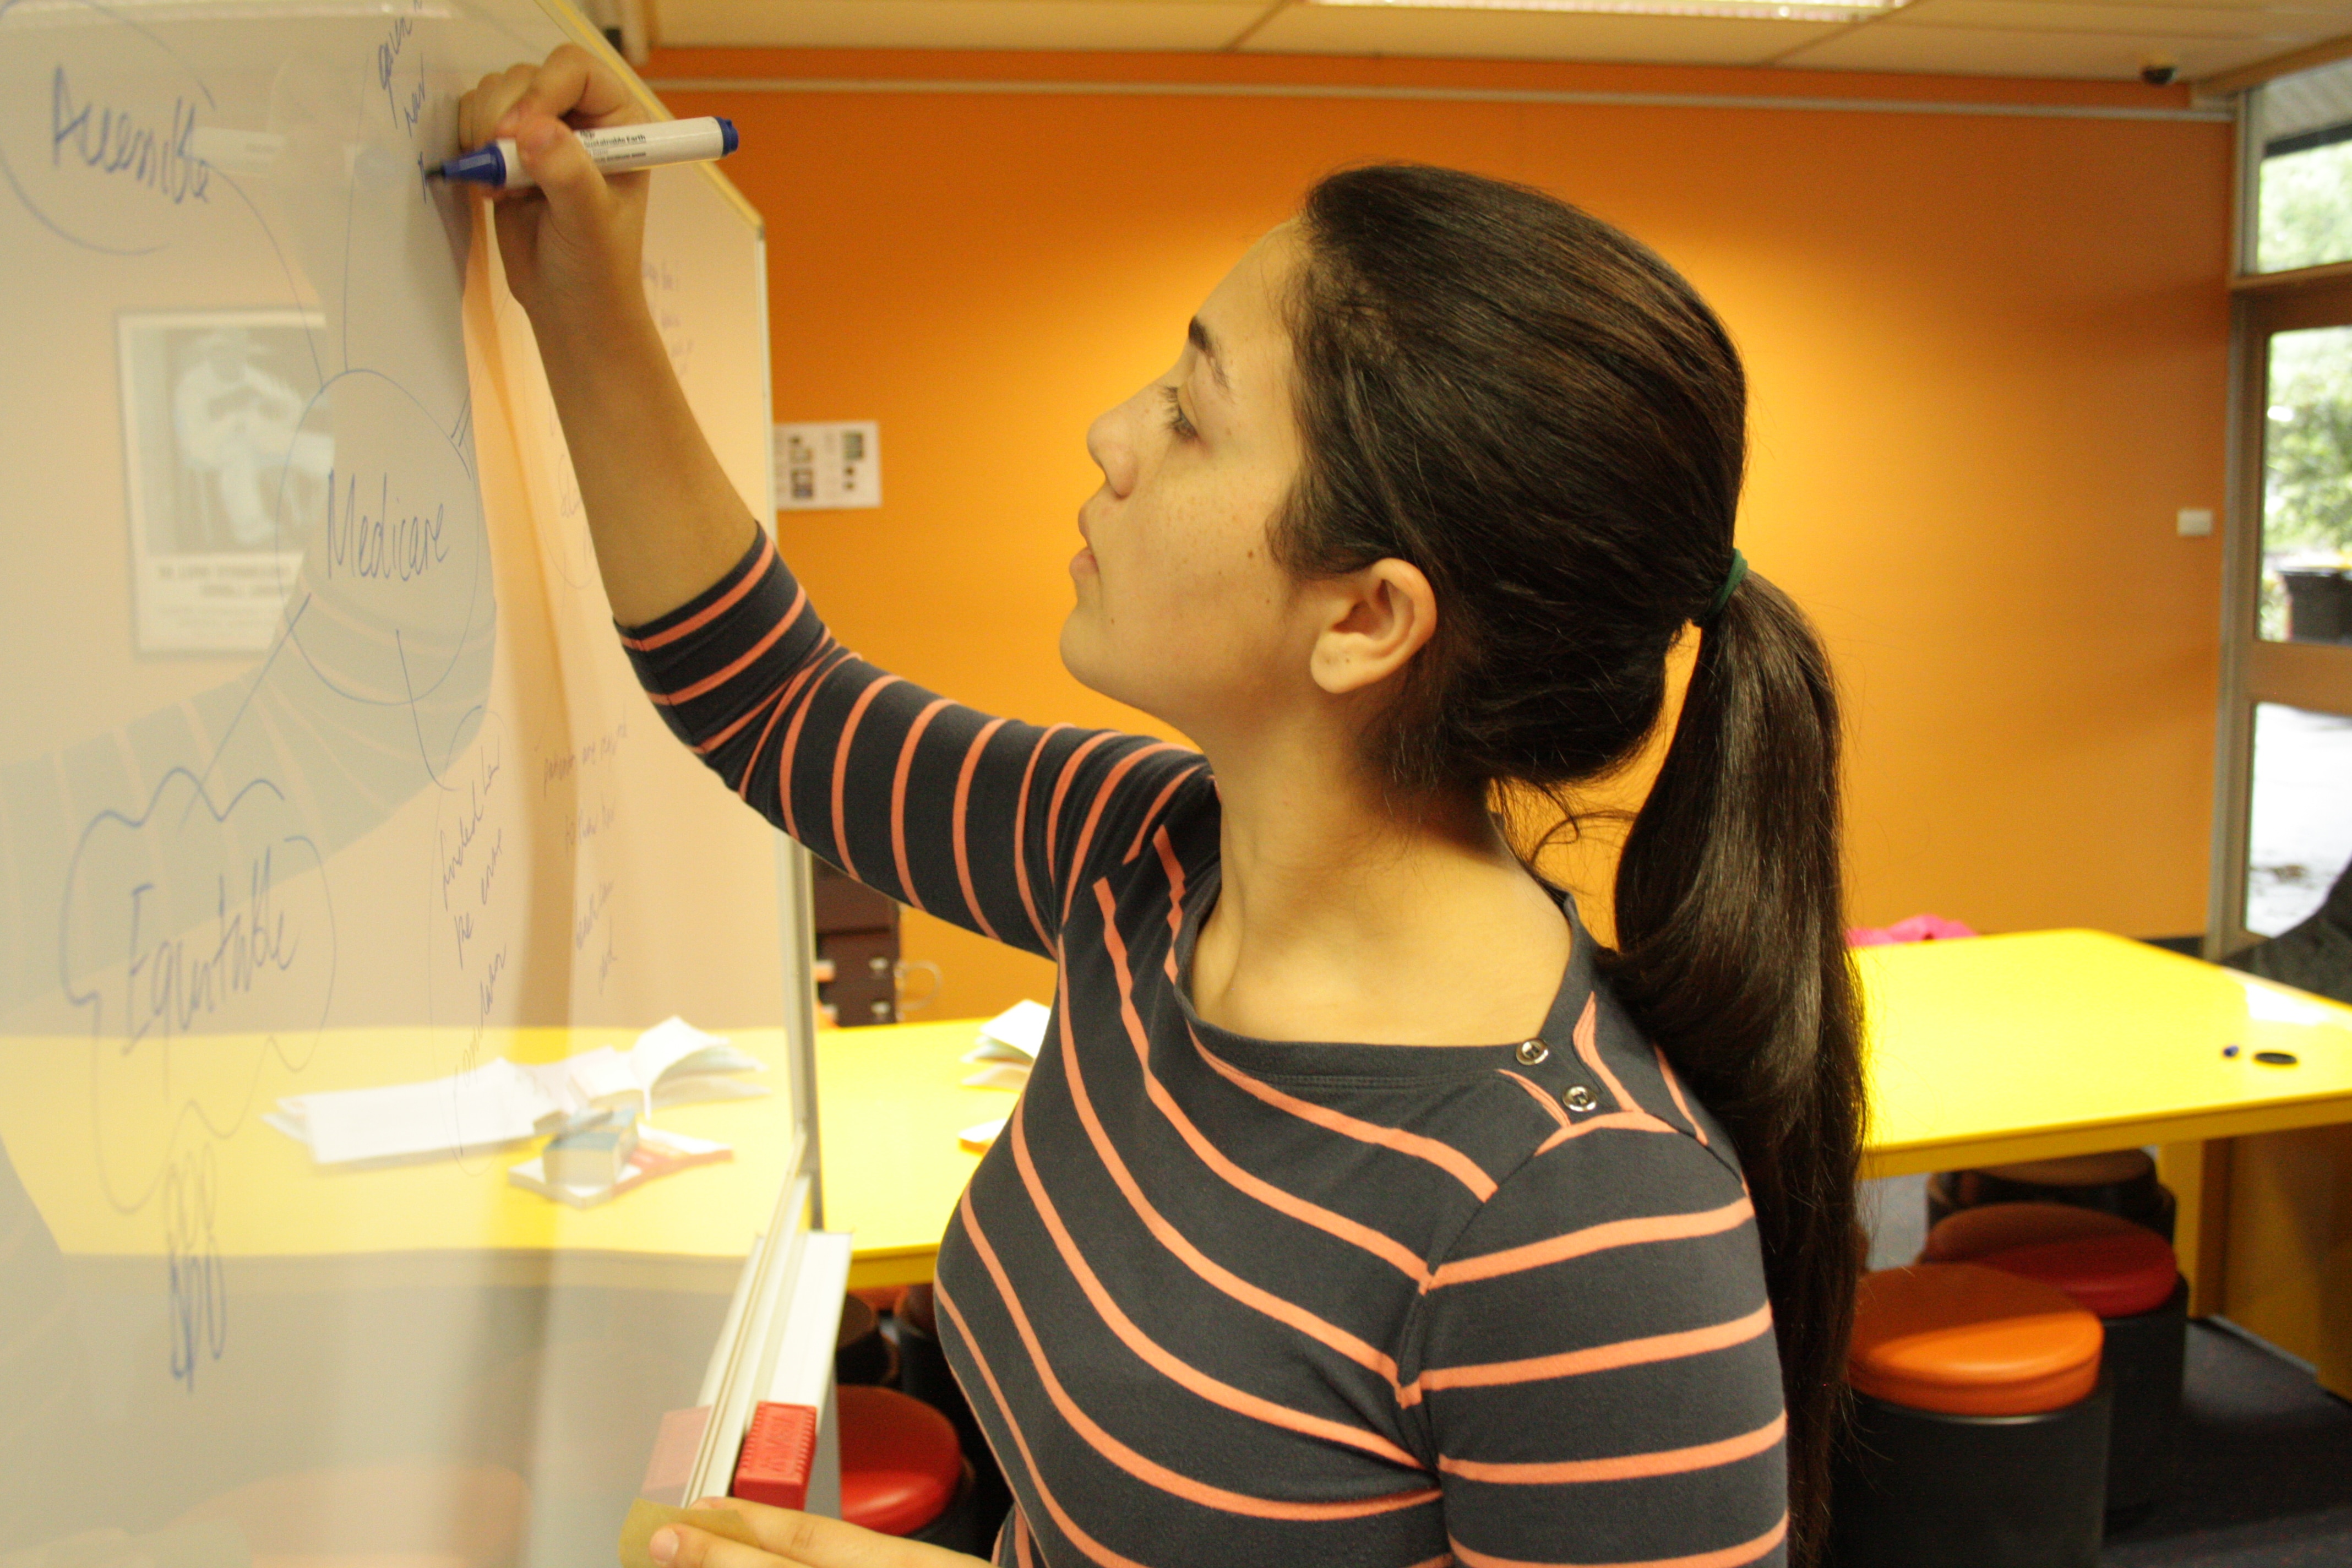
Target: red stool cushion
(900, 1463)
(1969, 1341)
(2108, 1265)
(1995, 1227)
(2113, 1276)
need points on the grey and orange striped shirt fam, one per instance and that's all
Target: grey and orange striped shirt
(1220, 1300)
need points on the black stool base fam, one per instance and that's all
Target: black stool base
(2144, 1361)
(923, 1372)
(959, 1526)
(1922, 1490)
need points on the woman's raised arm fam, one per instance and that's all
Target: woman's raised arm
(979, 820)
(668, 524)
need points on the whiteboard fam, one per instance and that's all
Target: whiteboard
(321, 768)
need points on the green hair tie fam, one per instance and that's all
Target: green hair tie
(1731, 580)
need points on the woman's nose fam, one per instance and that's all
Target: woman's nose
(1112, 450)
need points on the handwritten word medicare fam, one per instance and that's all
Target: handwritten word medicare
(383, 545)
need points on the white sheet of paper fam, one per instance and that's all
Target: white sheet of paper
(999, 1074)
(692, 1089)
(604, 1077)
(495, 1103)
(502, 1101)
(665, 1044)
(1020, 1028)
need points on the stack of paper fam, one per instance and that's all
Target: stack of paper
(495, 1103)
(502, 1101)
(1008, 1046)
(672, 1063)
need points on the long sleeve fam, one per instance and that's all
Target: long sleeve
(1597, 1369)
(982, 821)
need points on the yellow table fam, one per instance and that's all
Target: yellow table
(2067, 1042)
(890, 1102)
(255, 1196)
(2001, 1048)
(1988, 1051)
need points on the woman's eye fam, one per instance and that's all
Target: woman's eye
(1176, 420)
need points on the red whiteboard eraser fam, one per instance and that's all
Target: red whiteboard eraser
(778, 1452)
(674, 1449)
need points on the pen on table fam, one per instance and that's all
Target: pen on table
(615, 148)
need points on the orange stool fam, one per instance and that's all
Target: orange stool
(902, 1470)
(1980, 1425)
(2127, 1275)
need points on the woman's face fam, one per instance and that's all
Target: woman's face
(1181, 610)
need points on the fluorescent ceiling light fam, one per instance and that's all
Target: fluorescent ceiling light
(1761, 10)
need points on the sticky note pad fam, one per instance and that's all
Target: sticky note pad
(645, 1517)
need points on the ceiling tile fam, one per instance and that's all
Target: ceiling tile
(2136, 21)
(1530, 35)
(1985, 51)
(954, 23)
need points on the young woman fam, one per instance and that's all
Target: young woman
(1361, 1208)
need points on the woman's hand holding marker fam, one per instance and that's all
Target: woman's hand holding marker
(789, 1540)
(573, 247)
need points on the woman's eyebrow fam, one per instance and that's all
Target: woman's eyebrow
(1198, 335)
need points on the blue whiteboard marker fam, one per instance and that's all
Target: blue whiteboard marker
(614, 149)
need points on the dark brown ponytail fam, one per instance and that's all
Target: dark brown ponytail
(1731, 950)
(1544, 417)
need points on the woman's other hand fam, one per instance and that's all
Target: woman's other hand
(789, 1540)
(573, 247)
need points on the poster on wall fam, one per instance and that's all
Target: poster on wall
(222, 478)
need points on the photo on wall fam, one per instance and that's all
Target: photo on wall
(222, 478)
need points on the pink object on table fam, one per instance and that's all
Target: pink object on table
(1918, 928)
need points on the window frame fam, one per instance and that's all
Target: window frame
(2315, 676)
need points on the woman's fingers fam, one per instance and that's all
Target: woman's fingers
(573, 84)
(480, 113)
(683, 1546)
(554, 159)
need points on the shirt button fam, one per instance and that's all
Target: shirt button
(1578, 1097)
(1533, 1053)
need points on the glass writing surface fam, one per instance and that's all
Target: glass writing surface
(321, 770)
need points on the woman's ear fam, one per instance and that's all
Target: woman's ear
(1376, 619)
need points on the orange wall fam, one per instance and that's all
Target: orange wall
(1988, 357)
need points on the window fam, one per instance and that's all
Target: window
(2299, 815)
(2306, 518)
(2300, 131)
